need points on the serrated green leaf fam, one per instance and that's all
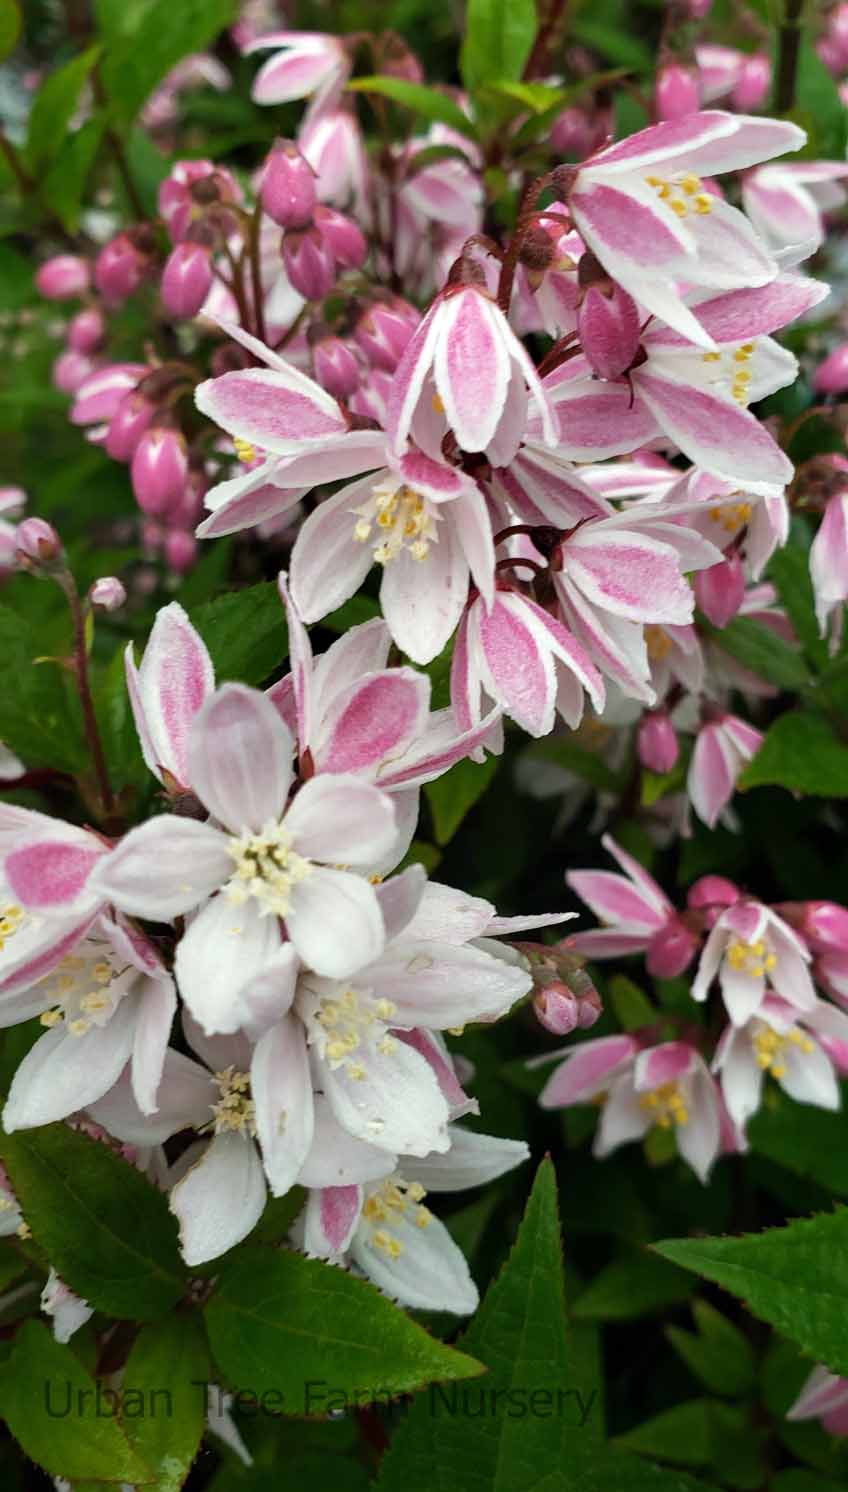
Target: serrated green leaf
(245, 632)
(538, 98)
(805, 1139)
(801, 752)
(49, 1404)
(160, 34)
(758, 648)
(279, 1322)
(163, 1397)
(54, 106)
(630, 1004)
(104, 1226)
(796, 1278)
(454, 794)
(39, 717)
(718, 1354)
(789, 569)
(631, 1286)
(818, 97)
(64, 185)
(680, 1434)
(499, 36)
(430, 103)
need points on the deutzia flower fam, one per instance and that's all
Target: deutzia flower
(752, 951)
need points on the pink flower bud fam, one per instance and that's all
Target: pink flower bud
(720, 590)
(608, 325)
(335, 367)
(107, 592)
(656, 742)
(159, 469)
(186, 278)
(37, 544)
(698, 9)
(557, 1009)
(347, 241)
(752, 86)
(310, 264)
(831, 376)
(63, 278)
(180, 550)
(86, 330)
(192, 187)
(99, 397)
(572, 134)
(384, 330)
(676, 92)
(70, 371)
(825, 927)
(132, 417)
(670, 950)
(288, 186)
(711, 894)
(120, 268)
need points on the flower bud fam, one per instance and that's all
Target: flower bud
(107, 592)
(720, 590)
(671, 950)
(557, 1008)
(64, 277)
(346, 241)
(132, 417)
(698, 9)
(186, 278)
(753, 83)
(288, 186)
(676, 92)
(608, 326)
(70, 371)
(159, 469)
(335, 367)
(38, 546)
(310, 264)
(712, 894)
(120, 268)
(86, 330)
(572, 134)
(383, 331)
(831, 376)
(825, 927)
(99, 397)
(180, 550)
(656, 742)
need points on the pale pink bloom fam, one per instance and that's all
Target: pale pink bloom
(719, 69)
(676, 91)
(764, 515)
(67, 1311)
(779, 1043)
(175, 677)
(787, 201)
(275, 866)
(516, 655)
(305, 64)
(640, 205)
(754, 953)
(384, 1229)
(824, 1396)
(97, 398)
(720, 590)
(636, 913)
(466, 371)
(109, 1002)
(667, 1086)
(425, 523)
(332, 143)
(613, 575)
(723, 748)
(829, 559)
(696, 399)
(198, 70)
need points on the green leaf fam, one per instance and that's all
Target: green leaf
(801, 752)
(16, 283)
(617, 43)
(54, 106)
(631, 1286)
(537, 98)
(283, 1325)
(762, 651)
(157, 37)
(499, 36)
(163, 1397)
(818, 98)
(718, 1354)
(50, 1405)
(64, 185)
(39, 719)
(789, 569)
(805, 1139)
(681, 1434)
(10, 27)
(429, 102)
(796, 1278)
(245, 632)
(454, 794)
(118, 734)
(104, 1226)
(630, 1004)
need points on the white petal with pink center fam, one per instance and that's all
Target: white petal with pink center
(753, 951)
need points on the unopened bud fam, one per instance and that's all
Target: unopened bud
(288, 186)
(120, 268)
(751, 88)
(343, 236)
(180, 550)
(65, 277)
(557, 1009)
(825, 926)
(608, 326)
(831, 376)
(710, 895)
(383, 331)
(107, 592)
(310, 264)
(720, 590)
(677, 92)
(70, 371)
(656, 742)
(186, 278)
(38, 546)
(133, 416)
(159, 469)
(671, 949)
(335, 367)
(86, 330)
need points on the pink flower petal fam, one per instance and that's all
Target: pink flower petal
(240, 758)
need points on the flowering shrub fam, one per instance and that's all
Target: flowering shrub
(423, 749)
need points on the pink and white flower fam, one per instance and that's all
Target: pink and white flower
(305, 64)
(274, 867)
(824, 1396)
(641, 207)
(793, 1049)
(166, 691)
(754, 954)
(787, 201)
(723, 748)
(829, 560)
(637, 916)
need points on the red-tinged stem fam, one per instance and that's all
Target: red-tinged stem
(92, 730)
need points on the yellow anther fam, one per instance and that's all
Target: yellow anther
(51, 1017)
(678, 206)
(703, 203)
(665, 1105)
(244, 450)
(711, 357)
(437, 404)
(690, 184)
